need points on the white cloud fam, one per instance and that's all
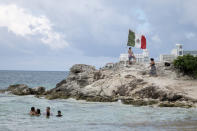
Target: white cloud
(22, 23)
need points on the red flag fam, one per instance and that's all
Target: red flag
(143, 42)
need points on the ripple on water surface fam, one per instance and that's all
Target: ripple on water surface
(86, 116)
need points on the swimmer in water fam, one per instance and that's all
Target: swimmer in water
(48, 113)
(59, 114)
(38, 112)
(32, 112)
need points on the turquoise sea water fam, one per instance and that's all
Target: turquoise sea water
(81, 115)
(47, 79)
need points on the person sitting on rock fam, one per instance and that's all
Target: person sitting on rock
(153, 68)
(38, 112)
(131, 55)
(32, 112)
(59, 114)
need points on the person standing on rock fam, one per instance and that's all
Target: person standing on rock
(153, 71)
(131, 55)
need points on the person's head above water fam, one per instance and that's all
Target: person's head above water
(59, 114)
(32, 109)
(48, 109)
(38, 112)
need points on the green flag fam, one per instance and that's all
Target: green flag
(131, 39)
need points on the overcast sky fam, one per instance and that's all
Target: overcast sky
(55, 34)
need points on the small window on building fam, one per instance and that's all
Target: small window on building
(180, 53)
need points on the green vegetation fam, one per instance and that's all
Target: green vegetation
(187, 64)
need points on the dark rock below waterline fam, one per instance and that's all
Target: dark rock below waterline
(176, 104)
(139, 102)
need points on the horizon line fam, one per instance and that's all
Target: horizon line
(32, 70)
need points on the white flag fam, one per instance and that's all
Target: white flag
(138, 41)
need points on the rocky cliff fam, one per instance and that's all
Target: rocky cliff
(131, 85)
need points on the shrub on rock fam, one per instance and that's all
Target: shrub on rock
(187, 64)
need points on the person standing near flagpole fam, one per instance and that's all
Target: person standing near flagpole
(131, 55)
(135, 40)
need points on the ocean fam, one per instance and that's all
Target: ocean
(81, 115)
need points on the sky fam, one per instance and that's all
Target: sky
(56, 34)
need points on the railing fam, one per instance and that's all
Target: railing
(139, 58)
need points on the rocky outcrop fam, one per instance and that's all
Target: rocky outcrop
(19, 89)
(38, 90)
(130, 85)
(79, 77)
(22, 89)
(157, 93)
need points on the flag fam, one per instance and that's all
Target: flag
(143, 42)
(131, 39)
(136, 40)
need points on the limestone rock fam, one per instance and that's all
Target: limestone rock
(80, 68)
(38, 90)
(17, 86)
(130, 84)
(19, 89)
(22, 89)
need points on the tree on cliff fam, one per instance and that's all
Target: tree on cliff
(187, 64)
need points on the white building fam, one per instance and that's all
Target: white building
(140, 58)
(178, 51)
(167, 58)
